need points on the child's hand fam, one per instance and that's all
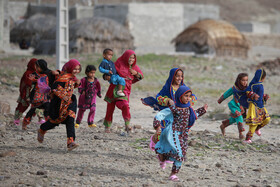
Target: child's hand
(84, 92)
(170, 102)
(111, 72)
(242, 109)
(78, 82)
(32, 77)
(220, 100)
(256, 97)
(205, 106)
(55, 72)
(133, 72)
(266, 97)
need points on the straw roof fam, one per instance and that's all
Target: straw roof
(96, 29)
(215, 33)
(33, 27)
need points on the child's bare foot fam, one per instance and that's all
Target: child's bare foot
(225, 123)
(107, 130)
(128, 128)
(241, 136)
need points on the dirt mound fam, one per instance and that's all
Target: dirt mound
(272, 66)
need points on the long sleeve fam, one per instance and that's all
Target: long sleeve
(164, 114)
(98, 88)
(163, 101)
(82, 86)
(200, 111)
(102, 70)
(225, 95)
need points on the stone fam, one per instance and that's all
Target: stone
(8, 153)
(4, 107)
(41, 172)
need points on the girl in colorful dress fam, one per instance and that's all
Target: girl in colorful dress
(173, 142)
(165, 98)
(238, 89)
(257, 116)
(127, 68)
(39, 100)
(63, 103)
(24, 91)
(89, 88)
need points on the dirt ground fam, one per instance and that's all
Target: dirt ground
(118, 159)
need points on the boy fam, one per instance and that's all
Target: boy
(108, 67)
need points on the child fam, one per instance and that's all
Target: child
(173, 140)
(257, 116)
(24, 90)
(89, 88)
(38, 99)
(236, 109)
(165, 98)
(63, 103)
(108, 67)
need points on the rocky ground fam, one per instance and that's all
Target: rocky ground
(118, 159)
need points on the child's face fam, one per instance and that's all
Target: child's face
(186, 98)
(131, 60)
(38, 69)
(76, 70)
(91, 74)
(108, 55)
(178, 78)
(244, 81)
(107, 77)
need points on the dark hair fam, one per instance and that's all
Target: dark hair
(263, 74)
(89, 68)
(238, 79)
(105, 51)
(104, 75)
(43, 65)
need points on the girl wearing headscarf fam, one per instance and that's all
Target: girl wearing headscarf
(236, 110)
(173, 142)
(63, 103)
(24, 91)
(38, 98)
(127, 68)
(165, 98)
(257, 116)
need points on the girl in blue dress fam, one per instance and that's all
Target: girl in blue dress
(173, 144)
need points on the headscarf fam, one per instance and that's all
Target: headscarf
(123, 67)
(239, 91)
(167, 89)
(43, 65)
(68, 68)
(257, 87)
(181, 91)
(70, 65)
(25, 81)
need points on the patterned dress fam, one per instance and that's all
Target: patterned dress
(173, 142)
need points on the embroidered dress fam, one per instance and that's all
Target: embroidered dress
(88, 99)
(111, 96)
(257, 115)
(173, 140)
(24, 89)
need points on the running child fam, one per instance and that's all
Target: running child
(38, 99)
(24, 91)
(236, 110)
(63, 103)
(257, 116)
(108, 67)
(89, 88)
(173, 142)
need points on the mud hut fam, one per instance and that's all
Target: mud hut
(90, 35)
(212, 37)
(32, 28)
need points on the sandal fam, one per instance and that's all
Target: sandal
(162, 164)
(174, 178)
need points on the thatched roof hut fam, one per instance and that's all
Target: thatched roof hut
(93, 35)
(31, 29)
(212, 37)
